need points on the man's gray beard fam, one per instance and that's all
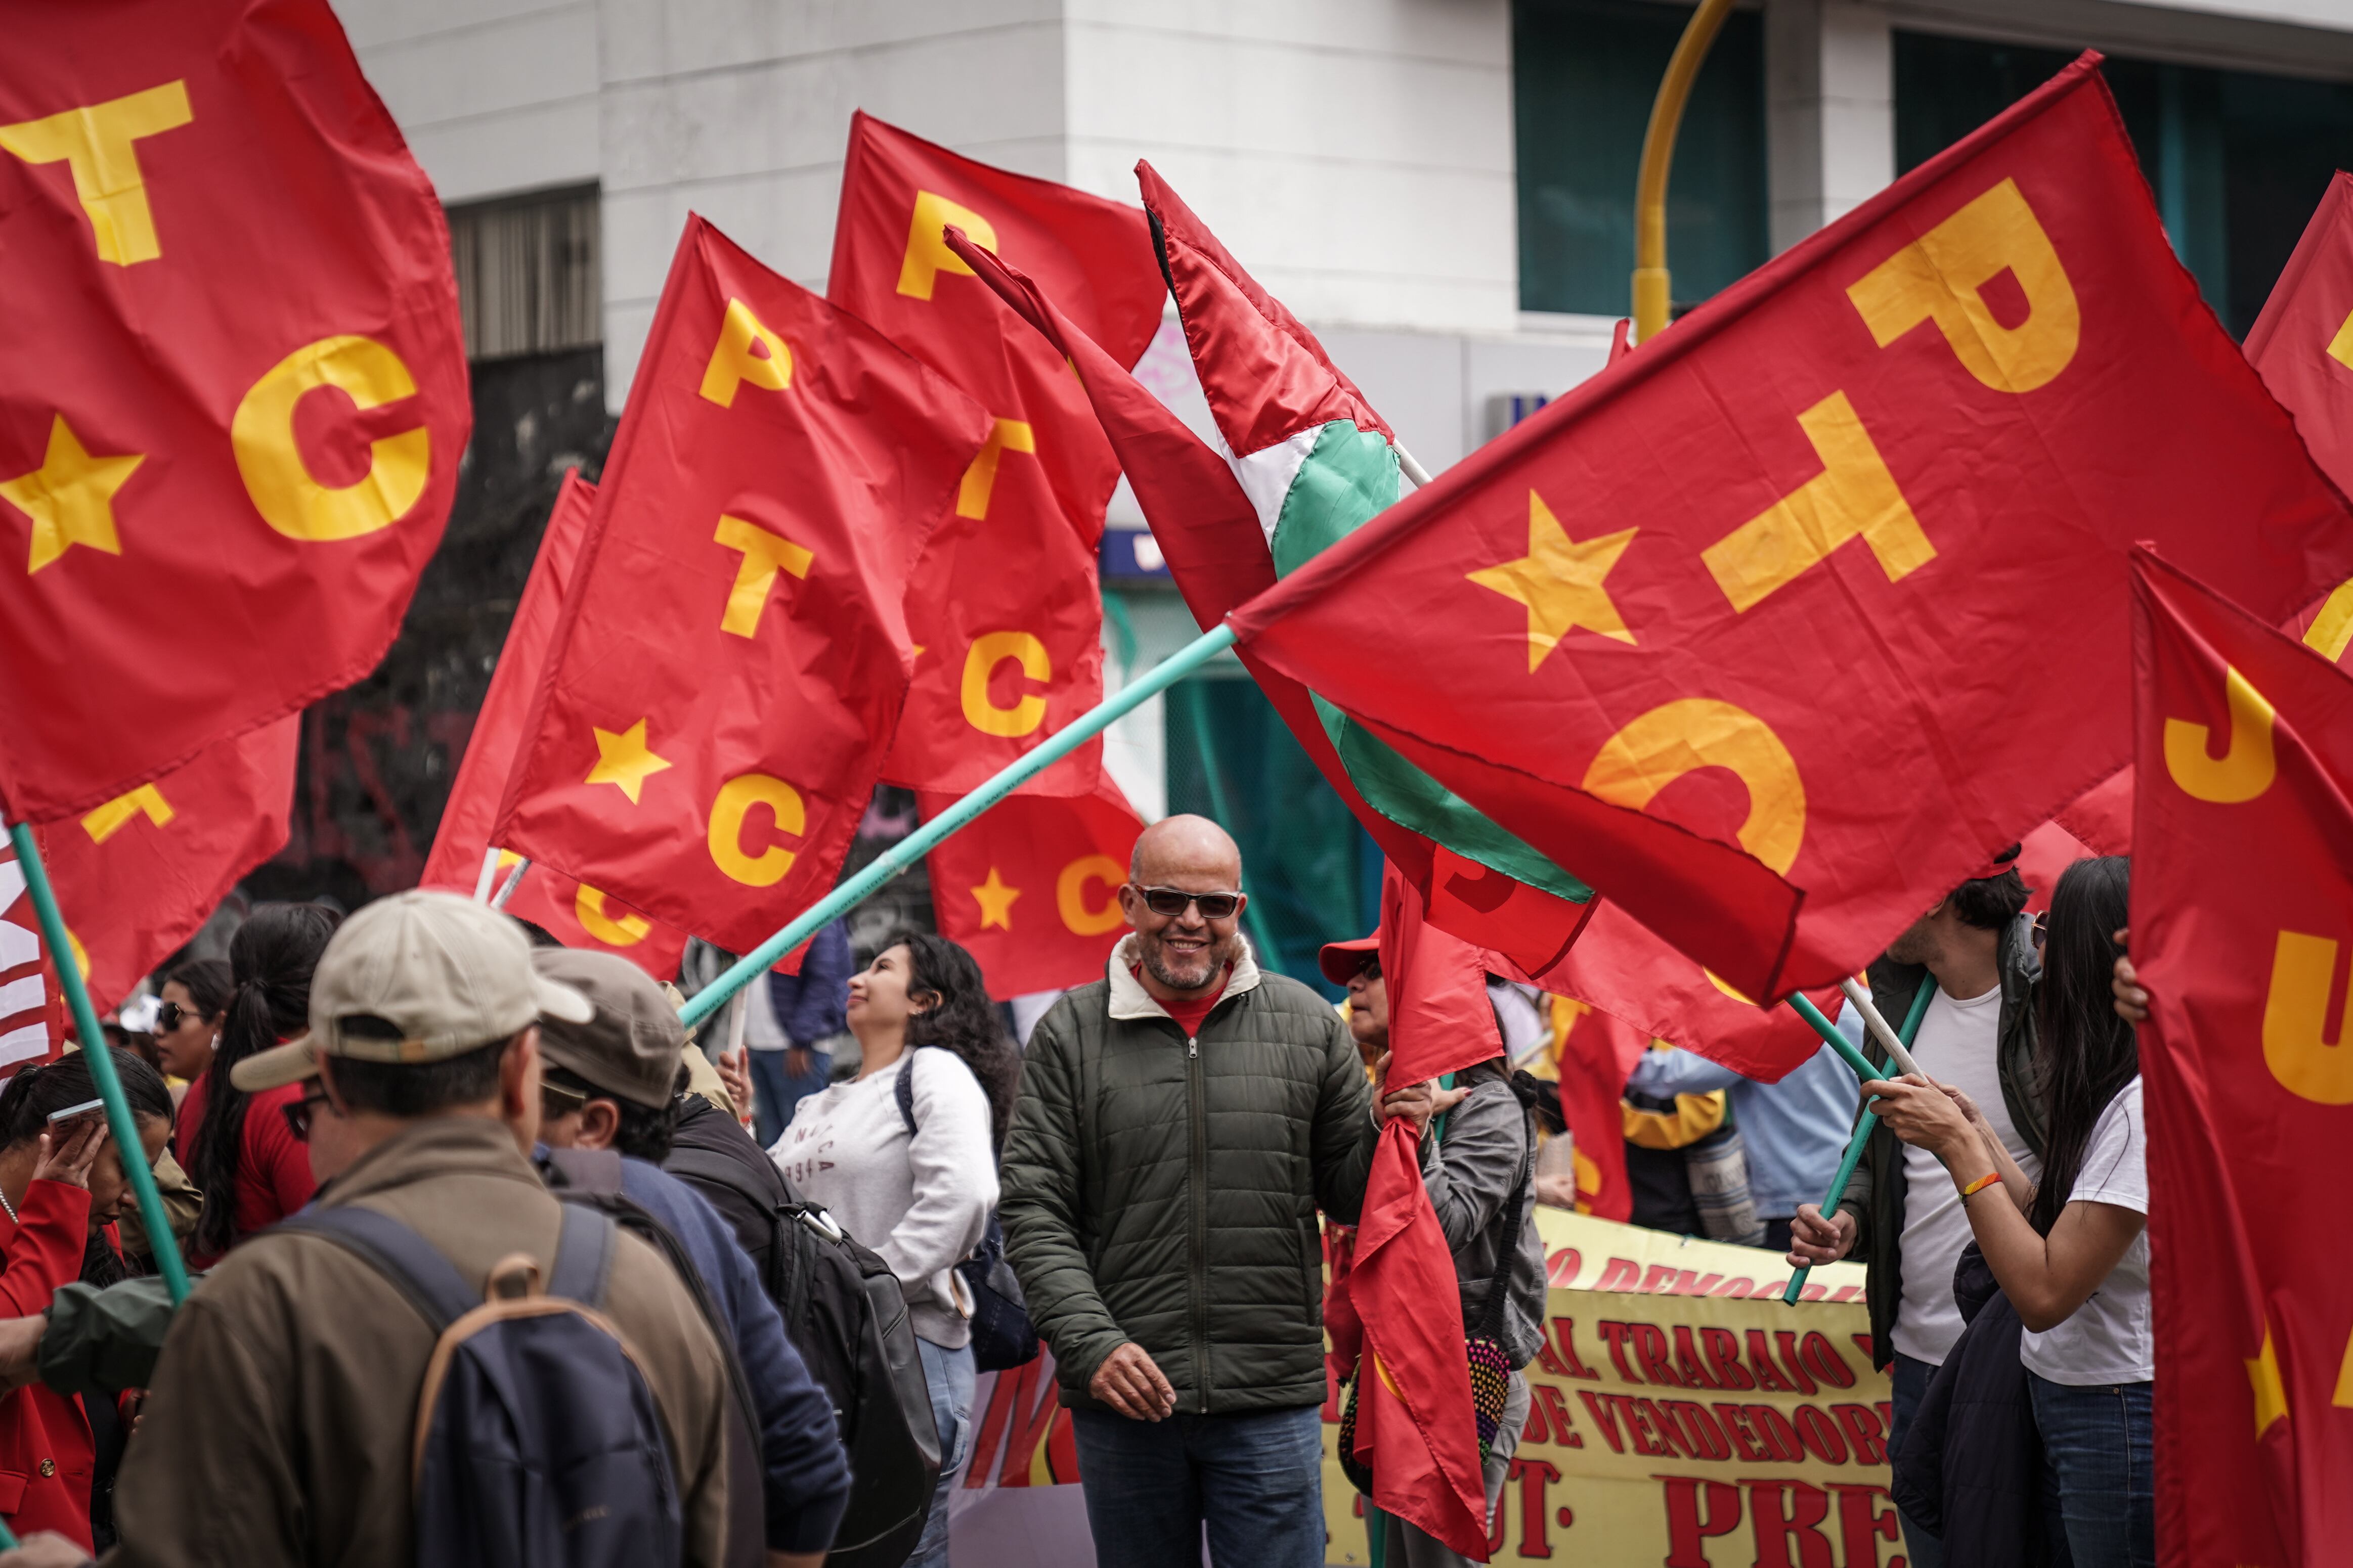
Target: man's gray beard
(1214, 957)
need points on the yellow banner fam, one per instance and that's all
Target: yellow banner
(1683, 1415)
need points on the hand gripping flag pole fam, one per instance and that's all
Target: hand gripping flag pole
(1864, 1069)
(911, 848)
(119, 1120)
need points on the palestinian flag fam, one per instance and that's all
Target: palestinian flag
(1317, 462)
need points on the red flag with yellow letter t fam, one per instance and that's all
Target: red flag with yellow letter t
(732, 651)
(233, 384)
(1775, 630)
(2241, 911)
(1005, 610)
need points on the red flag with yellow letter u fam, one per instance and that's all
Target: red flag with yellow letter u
(734, 652)
(1775, 630)
(232, 387)
(1004, 611)
(2241, 911)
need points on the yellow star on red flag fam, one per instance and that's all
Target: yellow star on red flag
(625, 759)
(995, 901)
(71, 497)
(1560, 581)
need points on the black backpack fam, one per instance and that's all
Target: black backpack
(845, 1314)
(1002, 1337)
(538, 1440)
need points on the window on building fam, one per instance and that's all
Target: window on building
(528, 275)
(2237, 159)
(1583, 75)
(1314, 875)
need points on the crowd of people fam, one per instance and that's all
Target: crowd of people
(467, 1207)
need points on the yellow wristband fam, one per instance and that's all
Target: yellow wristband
(1980, 1185)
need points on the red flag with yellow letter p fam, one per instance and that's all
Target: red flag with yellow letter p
(1005, 609)
(1778, 626)
(733, 653)
(2241, 911)
(233, 387)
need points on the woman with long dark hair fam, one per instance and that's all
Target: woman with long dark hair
(2072, 1254)
(196, 997)
(904, 1155)
(63, 1186)
(238, 1148)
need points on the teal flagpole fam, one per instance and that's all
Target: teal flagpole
(1870, 1119)
(119, 1120)
(916, 845)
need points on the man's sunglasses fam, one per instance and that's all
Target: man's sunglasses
(299, 1112)
(1171, 902)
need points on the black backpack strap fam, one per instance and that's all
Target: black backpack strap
(414, 1264)
(906, 1089)
(584, 1256)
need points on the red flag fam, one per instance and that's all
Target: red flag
(1208, 531)
(1594, 1053)
(579, 915)
(32, 1006)
(1004, 604)
(1719, 629)
(733, 653)
(1415, 1423)
(137, 876)
(1032, 888)
(205, 217)
(2241, 902)
(463, 839)
(1620, 967)
(2302, 343)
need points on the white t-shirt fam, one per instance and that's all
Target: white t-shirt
(1956, 1044)
(2108, 1339)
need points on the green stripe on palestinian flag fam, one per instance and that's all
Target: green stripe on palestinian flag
(1317, 463)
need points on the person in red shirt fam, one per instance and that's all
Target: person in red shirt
(61, 1188)
(238, 1148)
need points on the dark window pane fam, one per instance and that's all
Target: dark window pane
(1584, 73)
(2236, 160)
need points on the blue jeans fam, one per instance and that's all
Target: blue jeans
(2098, 1471)
(950, 1374)
(1256, 1480)
(1910, 1379)
(775, 1091)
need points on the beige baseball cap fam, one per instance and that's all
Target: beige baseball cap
(632, 1046)
(450, 974)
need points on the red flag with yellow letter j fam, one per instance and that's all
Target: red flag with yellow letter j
(733, 653)
(1775, 630)
(2241, 911)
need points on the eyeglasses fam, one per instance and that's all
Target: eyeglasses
(556, 1101)
(1172, 901)
(171, 1015)
(299, 1112)
(1371, 968)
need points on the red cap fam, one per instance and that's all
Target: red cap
(1341, 960)
(1999, 864)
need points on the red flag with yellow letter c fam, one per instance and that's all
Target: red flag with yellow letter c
(1005, 611)
(233, 387)
(2242, 913)
(733, 653)
(1775, 630)
(1031, 888)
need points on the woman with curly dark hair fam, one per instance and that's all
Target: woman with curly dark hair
(912, 1171)
(238, 1148)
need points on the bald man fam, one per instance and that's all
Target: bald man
(1181, 1121)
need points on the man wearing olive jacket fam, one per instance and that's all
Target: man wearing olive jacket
(1180, 1123)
